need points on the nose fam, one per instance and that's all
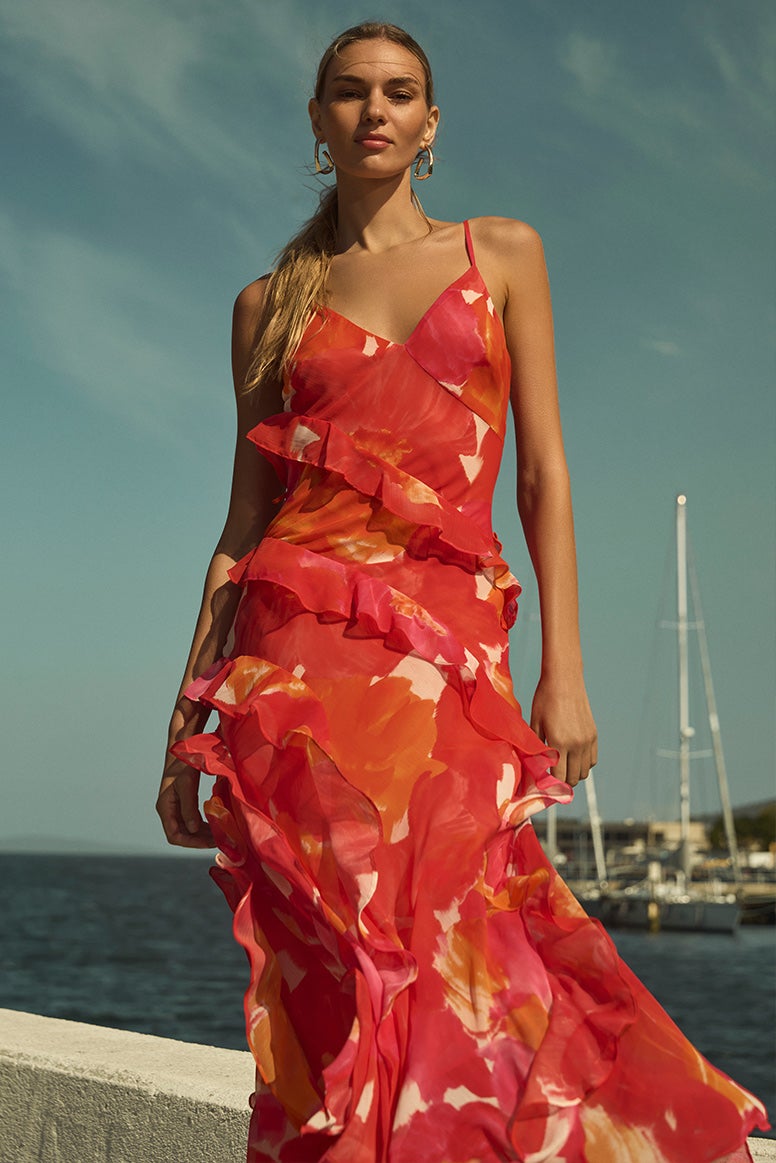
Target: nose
(373, 108)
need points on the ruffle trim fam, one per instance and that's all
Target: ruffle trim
(328, 587)
(288, 746)
(332, 588)
(304, 439)
(589, 1003)
(290, 726)
(274, 735)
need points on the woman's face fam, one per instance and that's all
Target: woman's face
(372, 113)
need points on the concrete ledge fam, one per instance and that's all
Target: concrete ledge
(72, 1093)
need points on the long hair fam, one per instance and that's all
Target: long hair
(297, 284)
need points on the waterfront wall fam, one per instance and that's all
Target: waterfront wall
(73, 1093)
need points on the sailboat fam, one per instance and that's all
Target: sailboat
(680, 904)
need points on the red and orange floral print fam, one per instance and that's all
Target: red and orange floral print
(423, 986)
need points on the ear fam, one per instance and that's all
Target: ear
(432, 124)
(314, 110)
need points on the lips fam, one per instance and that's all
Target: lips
(373, 139)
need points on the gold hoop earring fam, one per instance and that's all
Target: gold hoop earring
(319, 169)
(424, 155)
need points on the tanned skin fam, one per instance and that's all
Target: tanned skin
(390, 266)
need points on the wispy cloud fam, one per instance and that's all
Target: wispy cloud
(666, 347)
(590, 60)
(747, 67)
(99, 320)
(163, 80)
(671, 116)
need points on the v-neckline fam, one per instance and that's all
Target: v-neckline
(471, 269)
(324, 311)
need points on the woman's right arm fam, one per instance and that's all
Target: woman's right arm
(251, 507)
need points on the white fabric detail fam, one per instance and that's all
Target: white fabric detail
(461, 1095)
(410, 1103)
(365, 1101)
(302, 437)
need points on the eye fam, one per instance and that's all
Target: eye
(401, 96)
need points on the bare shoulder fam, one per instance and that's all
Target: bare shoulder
(245, 321)
(506, 236)
(249, 302)
(509, 254)
(247, 311)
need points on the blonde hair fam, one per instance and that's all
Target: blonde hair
(298, 282)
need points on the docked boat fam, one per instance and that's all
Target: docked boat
(677, 902)
(664, 907)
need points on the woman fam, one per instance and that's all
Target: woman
(423, 986)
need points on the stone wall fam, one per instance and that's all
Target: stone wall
(72, 1093)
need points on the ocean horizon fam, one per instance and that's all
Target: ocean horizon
(143, 942)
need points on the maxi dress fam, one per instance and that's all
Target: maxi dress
(423, 986)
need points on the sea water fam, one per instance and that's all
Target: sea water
(145, 943)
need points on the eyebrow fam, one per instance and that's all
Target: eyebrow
(353, 79)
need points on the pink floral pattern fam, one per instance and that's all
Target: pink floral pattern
(423, 986)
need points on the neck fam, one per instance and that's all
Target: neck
(376, 216)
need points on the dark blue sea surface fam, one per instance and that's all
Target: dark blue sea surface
(145, 943)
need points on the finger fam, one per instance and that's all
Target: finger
(186, 840)
(179, 836)
(168, 807)
(172, 824)
(584, 763)
(187, 788)
(560, 770)
(576, 766)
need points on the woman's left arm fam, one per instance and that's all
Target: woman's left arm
(560, 713)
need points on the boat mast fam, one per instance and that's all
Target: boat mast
(596, 831)
(685, 730)
(551, 842)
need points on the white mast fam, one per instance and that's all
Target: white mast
(595, 828)
(685, 730)
(551, 845)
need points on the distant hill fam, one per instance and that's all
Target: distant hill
(69, 846)
(740, 811)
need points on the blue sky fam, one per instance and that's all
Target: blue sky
(156, 157)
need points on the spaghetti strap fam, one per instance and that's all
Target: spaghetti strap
(469, 244)
(379, 593)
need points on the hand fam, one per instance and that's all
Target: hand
(561, 717)
(178, 807)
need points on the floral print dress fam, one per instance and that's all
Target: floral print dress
(423, 986)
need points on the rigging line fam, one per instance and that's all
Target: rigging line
(713, 718)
